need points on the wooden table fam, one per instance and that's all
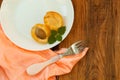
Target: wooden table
(97, 21)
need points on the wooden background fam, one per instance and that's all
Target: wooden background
(97, 21)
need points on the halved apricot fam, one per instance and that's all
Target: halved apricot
(40, 33)
(53, 19)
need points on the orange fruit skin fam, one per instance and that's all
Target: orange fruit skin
(45, 28)
(54, 20)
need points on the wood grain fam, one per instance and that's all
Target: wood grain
(97, 21)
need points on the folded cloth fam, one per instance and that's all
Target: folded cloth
(14, 61)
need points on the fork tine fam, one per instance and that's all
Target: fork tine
(75, 48)
(81, 43)
(81, 48)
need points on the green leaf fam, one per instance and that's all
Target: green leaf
(62, 30)
(59, 37)
(51, 39)
(53, 32)
(56, 35)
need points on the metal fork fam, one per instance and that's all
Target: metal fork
(75, 48)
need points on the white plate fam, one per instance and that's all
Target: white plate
(18, 17)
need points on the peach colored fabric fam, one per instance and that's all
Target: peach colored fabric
(14, 61)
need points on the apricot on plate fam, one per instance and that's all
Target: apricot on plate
(40, 33)
(53, 19)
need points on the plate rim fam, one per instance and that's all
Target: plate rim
(72, 8)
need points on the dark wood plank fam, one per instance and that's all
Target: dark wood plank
(99, 22)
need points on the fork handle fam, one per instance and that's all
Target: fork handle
(36, 68)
